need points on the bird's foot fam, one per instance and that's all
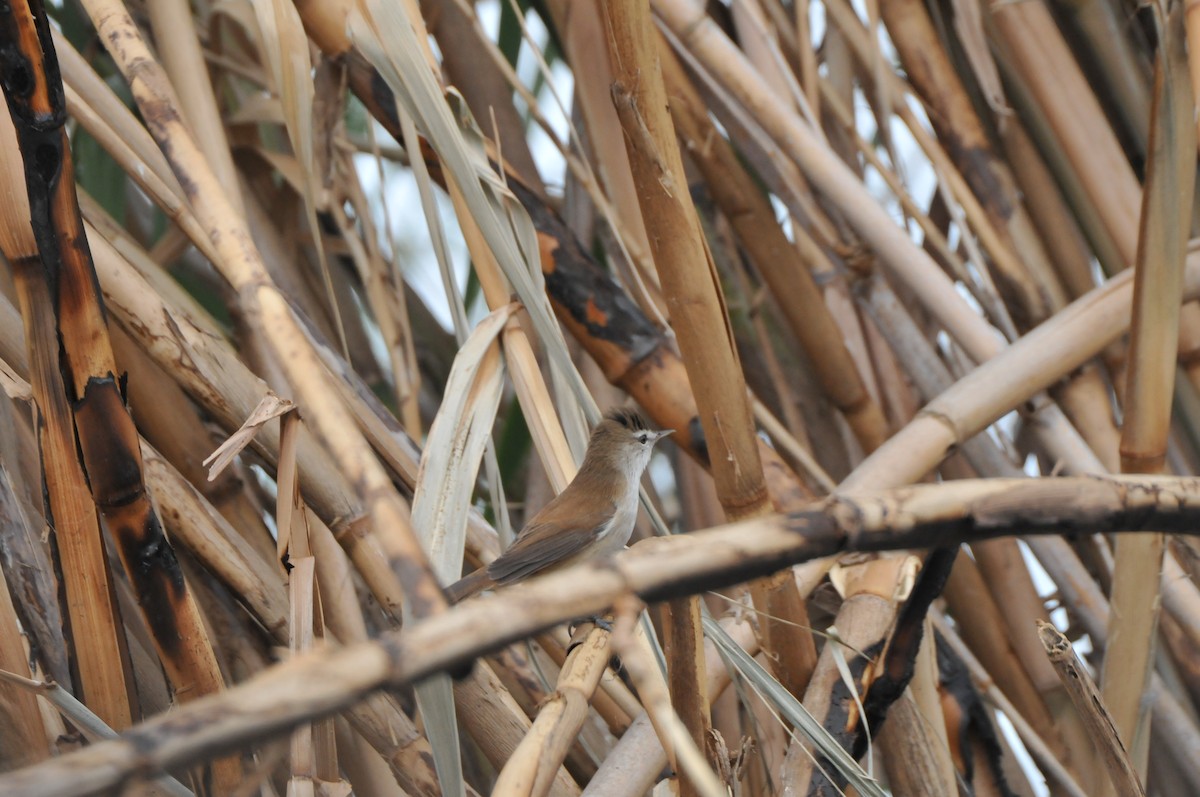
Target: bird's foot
(603, 623)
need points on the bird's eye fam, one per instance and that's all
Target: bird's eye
(642, 438)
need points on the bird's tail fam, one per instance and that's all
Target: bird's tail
(469, 585)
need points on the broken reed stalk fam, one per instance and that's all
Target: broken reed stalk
(329, 680)
(106, 436)
(1090, 705)
(532, 766)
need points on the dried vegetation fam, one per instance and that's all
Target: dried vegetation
(912, 281)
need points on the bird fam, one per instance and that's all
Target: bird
(593, 517)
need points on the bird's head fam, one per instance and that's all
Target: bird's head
(624, 441)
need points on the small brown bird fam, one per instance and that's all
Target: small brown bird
(593, 517)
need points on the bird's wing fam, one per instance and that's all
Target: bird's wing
(547, 540)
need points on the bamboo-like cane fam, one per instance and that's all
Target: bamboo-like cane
(328, 680)
(1090, 705)
(1162, 248)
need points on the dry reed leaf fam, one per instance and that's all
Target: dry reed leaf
(792, 710)
(13, 385)
(441, 500)
(504, 223)
(454, 448)
(269, 407)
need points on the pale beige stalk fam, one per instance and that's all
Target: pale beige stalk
(266, 308)
(1158, 280)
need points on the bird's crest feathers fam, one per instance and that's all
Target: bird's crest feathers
(630, 419)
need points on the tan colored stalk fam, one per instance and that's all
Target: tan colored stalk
(830, 177)
(697, 309)
(687, 757)
(498, 726)
(1046, 66)
(532, 767)
(1162, 249)
(613, 702)
(980, 622)
(331, 679)
(1090, 705)
(1063, 343)
(776, 259)
(961, 132)
(266, 308)
(528, 381)
(685, 267)
(1116, 65)
(97, 639)
(1064, 242)
(179, 48)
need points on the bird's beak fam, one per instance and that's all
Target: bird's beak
(660, 435)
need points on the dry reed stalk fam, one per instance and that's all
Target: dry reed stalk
(1073, 336)
(1036, 49)
(497, 724)
(634, 763)
(91, 615)
(265, 306)
(978, 617)
(686, 755)
(697, 308)
(1090, 705)
(684, 265)
(961, 132)
(776, 260)
(178, 46)
(90, 608)
(532, 766)
(613, 702)
(1065, 245)
(330, 679)
(1158, 281)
